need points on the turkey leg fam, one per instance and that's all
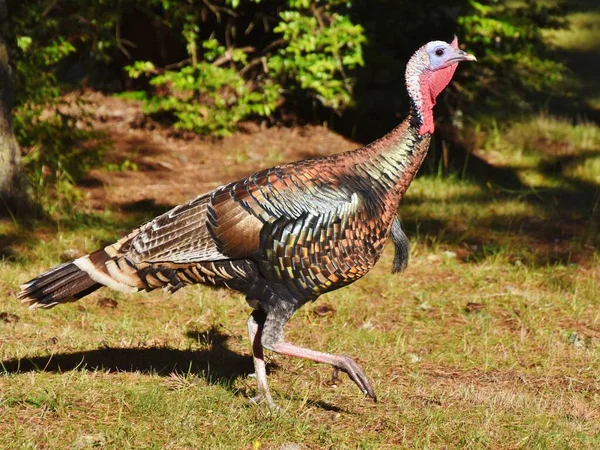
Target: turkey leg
(272, 339)
(255, 327)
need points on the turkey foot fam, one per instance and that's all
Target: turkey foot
(339, 362)
(265, 400)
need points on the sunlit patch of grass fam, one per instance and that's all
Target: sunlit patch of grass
(543, 148)
(442, 189)
(554, 135)
(582, 34)
(239, 157)
(438, 200)
(578, 45)
(546, 135)
(587, 171)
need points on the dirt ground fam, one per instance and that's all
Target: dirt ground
(173, 166)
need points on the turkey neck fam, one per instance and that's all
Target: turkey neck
(391, 162)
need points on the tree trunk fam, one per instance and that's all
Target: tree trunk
(13, 192)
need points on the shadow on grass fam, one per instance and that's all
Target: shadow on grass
(9, 243)
(566, 232)
(217, 364)
(146, 207)
(327, 406)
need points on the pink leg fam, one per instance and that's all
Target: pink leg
(255, 333)
(339, 362)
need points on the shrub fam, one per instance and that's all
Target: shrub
(310, 50)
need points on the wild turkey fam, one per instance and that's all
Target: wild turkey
(282, 236)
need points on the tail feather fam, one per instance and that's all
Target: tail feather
(106, 267)
(59, 285)
(401, 246)
(52, 275)
(76, 279)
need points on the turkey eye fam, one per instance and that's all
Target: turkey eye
(439, 52)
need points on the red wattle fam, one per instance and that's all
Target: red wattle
(432, 84)
(427, 126)
(440, 79)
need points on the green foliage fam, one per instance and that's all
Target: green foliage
(514, 69)
(311, 49)
(317, 54)
(46, 37)
(249, 58)
(59, 148)
(211, 100)
(37, 83)
(132, 95)
(206, 98)
(124, 166)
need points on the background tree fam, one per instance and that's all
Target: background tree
(13, 197)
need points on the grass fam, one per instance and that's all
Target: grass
(582, 33)
(489, 339)
(577, 45)
(545, 151)
(508, 373)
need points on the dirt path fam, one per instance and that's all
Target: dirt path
(173, 167)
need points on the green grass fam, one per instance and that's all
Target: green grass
(508, 373)
(489, 339)
(582, 33)
(577, 44)
(545, 151)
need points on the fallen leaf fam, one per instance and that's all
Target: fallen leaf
(576, 340)
(367, 326)
(473, 307)
(434, 258)
(425, 306)
(106, 302)
(85, 441)
(324, 310)
(9, 318)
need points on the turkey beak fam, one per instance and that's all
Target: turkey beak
(459, 55)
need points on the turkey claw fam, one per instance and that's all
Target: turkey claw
(355, 373)
(263, 400)
(335, 376)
